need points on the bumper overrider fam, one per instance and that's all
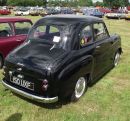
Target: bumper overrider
(30, 96)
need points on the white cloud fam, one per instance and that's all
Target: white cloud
(97, 0)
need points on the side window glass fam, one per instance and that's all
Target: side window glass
(41, 29)
(86, 36)
(5, 30)
(100, 31)
(22, 27)
(53, 30)
(39, 32)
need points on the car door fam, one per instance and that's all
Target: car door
(7, 38)
(86, 49)
(102, 46)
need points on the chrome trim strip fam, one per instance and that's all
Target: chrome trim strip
(30, 96)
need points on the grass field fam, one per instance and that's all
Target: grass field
(107, 100)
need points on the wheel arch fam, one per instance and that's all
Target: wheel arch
(67, 82)
(76, 67)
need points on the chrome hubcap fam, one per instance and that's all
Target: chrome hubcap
(80, 87)
(117, 58)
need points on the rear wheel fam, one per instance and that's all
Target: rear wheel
(116, 58)
(1, 62)
(80, 88)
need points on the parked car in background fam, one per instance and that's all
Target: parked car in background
(127, 17)
(93, 12)
(77, 11)
(22, 12)
(13, 32)
(128, 8)
(52, 11)
(116, 15)
(5, 12)
(43, 12)
(62, 56)
(105, 10)
(34, 12)
(66, 11)
(97, 13)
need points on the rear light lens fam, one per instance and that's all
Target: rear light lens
(3, 72)
(4, 67)
(44, 85)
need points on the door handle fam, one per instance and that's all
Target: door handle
(97, 46)
(18, 40)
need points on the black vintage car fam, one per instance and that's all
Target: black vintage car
(62, 56)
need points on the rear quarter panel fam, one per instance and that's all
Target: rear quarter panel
(70, 72)
(10, 43)
(115, 44)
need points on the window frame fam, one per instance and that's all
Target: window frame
(11, 28)
(89, 43)
(47, 29)
(105, 28)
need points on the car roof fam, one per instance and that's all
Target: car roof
(69, 18)
(13, 19)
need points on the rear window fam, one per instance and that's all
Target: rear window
(46, 32)
(22, 27)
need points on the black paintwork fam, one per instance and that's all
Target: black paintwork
(62, 67)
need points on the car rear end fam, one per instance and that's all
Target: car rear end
(29, 83)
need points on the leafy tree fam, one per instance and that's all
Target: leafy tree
(26, 2)
(85, 3)
(89, 3)
(98, 4)
(116, 3)
(3, 2)
(124, 2)
(108, 3)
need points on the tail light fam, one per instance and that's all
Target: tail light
(44, 85)
(3, 72)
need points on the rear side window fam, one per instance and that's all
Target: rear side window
(41, 29)
(22, 27)
(5, 30)
(100, 31)
(53, 29)
(86, 36)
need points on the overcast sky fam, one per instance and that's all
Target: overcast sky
(100, 0)
(97, 0)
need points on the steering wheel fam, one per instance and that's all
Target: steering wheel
(4, 33)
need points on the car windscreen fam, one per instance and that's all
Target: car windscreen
(56, 35)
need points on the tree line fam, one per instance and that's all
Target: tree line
(74, 3)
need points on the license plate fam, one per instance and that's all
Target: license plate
(22, 83)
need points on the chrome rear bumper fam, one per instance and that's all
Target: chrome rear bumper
(31, 96)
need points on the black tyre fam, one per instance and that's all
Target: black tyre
(1, 62)
(80, 89)
(116, 58)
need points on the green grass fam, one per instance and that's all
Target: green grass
(107, 100)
